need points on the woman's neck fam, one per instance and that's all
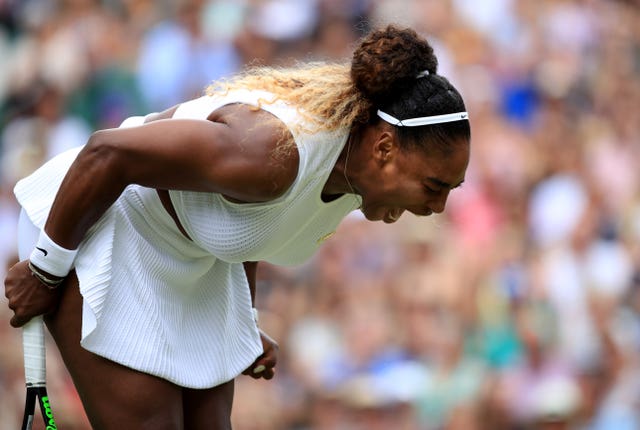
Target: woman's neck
(339, 181)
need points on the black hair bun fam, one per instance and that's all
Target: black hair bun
(388, 61)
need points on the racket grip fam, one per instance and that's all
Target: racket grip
(34, 352)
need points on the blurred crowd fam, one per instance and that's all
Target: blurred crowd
(518, 308)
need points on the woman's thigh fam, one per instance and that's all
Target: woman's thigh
(208, 409)
(114, 396)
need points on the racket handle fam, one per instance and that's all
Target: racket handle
(34, 352)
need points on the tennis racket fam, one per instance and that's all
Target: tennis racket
(35, 375)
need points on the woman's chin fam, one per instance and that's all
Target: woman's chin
(373, 215)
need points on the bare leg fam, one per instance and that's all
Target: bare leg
(208, 409)
(114, 396)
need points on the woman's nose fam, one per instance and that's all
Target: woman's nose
(438, 205)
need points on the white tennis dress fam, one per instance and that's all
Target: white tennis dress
(180, 309)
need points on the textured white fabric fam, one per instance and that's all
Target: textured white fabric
(285, 231)
(177, 309)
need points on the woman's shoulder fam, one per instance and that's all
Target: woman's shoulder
(202, 107)
(263, 146)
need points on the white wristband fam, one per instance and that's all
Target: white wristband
(51, 257)
(254, 311)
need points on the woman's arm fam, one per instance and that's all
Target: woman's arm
(232, 155)
(264, 365)
(251, 270)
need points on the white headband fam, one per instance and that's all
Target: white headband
(425, 120)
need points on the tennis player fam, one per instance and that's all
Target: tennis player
(145, 241)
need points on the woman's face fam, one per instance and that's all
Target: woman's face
(410, 180)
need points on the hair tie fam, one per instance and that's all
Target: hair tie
(422, 74)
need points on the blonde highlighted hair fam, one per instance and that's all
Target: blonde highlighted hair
(323, 93)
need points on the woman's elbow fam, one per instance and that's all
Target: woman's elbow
(97, 140)
(100, 153)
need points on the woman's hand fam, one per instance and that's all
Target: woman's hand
(28, 297)
(264, 365)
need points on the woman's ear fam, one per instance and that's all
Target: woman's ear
(385, 147)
